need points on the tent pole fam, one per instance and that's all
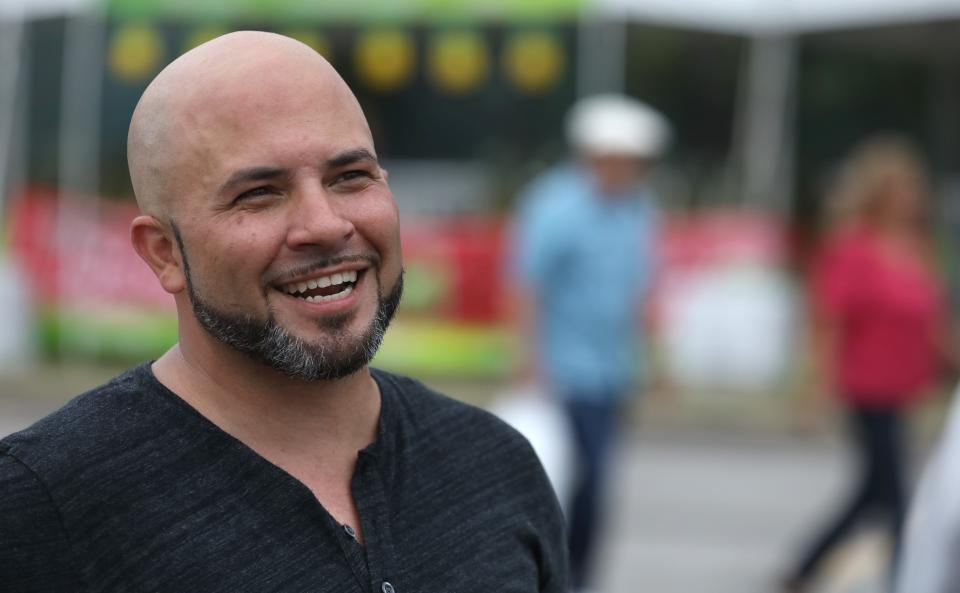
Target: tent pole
(79, 168)
(81, 90)
(766, 153)
(601, 55)
(11, 58)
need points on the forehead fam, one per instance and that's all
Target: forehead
(273, 117)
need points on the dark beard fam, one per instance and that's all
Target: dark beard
(266, 342)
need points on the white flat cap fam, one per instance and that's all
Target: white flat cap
(617, 125)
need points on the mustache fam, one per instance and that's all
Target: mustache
(372, 259)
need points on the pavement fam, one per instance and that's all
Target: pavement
(715, 513)
(702, 501)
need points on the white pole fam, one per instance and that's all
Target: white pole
(80, 102)
(11, 58)
(601, 54)
(79, 171)
(16, 343)
(767, 120)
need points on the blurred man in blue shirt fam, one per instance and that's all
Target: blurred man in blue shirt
(584, 255)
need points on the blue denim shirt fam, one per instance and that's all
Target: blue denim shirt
(587, 260)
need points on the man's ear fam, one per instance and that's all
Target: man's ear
(156, 247)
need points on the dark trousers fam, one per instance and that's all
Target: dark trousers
(594, 426)
(878, 435)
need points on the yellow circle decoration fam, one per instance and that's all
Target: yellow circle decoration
(134, 52)
(202, 35)
(384, 59)
(317, 41)
(534, 61)
(458, 61)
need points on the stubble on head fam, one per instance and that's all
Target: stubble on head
(171, 148)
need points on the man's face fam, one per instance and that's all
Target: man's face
(616, 173)
(288, 231)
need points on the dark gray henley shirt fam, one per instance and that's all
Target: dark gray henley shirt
(129, 489)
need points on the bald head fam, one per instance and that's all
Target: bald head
(210, 93)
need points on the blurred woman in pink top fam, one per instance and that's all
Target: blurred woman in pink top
(881, 331)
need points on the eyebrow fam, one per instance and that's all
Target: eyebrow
(349, 157)
(251, 174)
(266, 173)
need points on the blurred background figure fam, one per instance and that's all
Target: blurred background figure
(880, 329)
(584, 256)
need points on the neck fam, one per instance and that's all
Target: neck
(311, 430)
(277, 416)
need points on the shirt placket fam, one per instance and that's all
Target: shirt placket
(354, 554)
(370, 498)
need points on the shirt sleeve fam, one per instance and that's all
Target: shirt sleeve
(34, 552)
(551, 549)
(555, 572)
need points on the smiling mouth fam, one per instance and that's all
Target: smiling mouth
(323, 289)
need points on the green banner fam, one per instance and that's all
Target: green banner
(268, 11)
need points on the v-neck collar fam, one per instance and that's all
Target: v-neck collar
(375, 449)
(370, 505)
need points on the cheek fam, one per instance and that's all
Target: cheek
(238, 248)
(380, 226)
(377, 218)
(391, 238)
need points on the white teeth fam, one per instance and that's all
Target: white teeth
(322, 282)
(311, 299)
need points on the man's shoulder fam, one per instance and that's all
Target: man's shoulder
(556, 189)
(463, 454)
(426, 413)
(54, 471)
(34, 549)
(90, 420)
(424, 406)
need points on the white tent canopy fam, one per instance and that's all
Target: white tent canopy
(762, 155)
(41, 8)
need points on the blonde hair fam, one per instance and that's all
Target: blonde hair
(858, 196)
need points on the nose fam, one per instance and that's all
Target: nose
(316, 220)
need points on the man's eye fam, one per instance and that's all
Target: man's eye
(353, 176)
(257, 192)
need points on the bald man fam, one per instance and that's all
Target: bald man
(261, 453)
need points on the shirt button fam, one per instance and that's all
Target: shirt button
(387, 587)
(350, 531)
